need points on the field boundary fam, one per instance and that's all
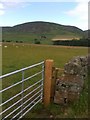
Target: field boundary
(35, 95)
(43, 45)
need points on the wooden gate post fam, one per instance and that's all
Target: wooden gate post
(47, 82)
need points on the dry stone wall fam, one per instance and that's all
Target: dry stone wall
(70, 84)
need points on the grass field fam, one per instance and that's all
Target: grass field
(27, 37)
(16, 56)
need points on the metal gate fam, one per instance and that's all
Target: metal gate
(30, 91)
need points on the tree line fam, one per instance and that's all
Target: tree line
(12, 41)
(82, 42)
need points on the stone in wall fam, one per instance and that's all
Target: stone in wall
(77, 66)
(68, 88)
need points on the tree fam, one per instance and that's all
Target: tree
(36, 41)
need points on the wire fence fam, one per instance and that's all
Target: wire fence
(28, 92)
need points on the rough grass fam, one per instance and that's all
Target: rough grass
(17, 56)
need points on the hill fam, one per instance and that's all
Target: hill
(87, 33)
(39, 30)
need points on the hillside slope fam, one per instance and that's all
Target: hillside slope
(44, 31)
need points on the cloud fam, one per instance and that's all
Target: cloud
(5, 4)
(1, 9)
(12, 0)
(46, 0)
(82, 1)
(1, 6)
(80, 13)
(18, 1)
(2, 12)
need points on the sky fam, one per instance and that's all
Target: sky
(65, 12)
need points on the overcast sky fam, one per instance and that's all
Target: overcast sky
(72, 12)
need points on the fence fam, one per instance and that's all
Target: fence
(25, 99)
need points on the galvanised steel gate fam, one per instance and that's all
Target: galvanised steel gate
(30, 93)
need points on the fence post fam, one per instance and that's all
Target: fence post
(48, 82)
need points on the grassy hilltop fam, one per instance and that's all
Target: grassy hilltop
(39, 30)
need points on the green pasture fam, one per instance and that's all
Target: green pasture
(18, 55)
(27, 37)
